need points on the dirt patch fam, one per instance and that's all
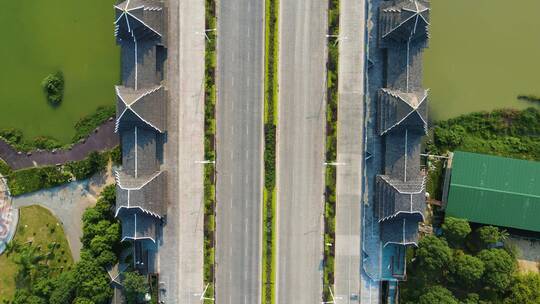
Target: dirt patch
(529, 253)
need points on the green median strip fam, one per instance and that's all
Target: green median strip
(209, 150)
(331, 150)
(270, 127)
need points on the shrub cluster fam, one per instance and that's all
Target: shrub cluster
(53, 86)
(465, 266)
(270, 102)
(209, 146)
(37, 178)
(331, 150)
(87, 281)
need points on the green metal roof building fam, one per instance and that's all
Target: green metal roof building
(495, 190)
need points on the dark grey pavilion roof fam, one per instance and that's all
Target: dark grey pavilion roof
(404, 20)
(148, 105)
(402, 148)
(402, 230)
(147, 195)
(137, 225)
(402, 120)
(139, 19)
(139, 152)
(397, 108)
(397, 197)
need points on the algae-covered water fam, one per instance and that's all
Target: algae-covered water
(482, 55)
(42, 36)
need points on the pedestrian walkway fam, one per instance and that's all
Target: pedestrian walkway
(350, 148)
(103, 138)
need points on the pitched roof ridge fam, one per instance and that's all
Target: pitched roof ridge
(150, 179)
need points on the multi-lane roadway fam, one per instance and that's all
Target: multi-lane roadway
(239, 162)
(301, 150)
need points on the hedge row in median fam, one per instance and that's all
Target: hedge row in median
(270, 126)
(209, 148)
(331, 150)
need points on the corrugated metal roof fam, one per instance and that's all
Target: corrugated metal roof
(495, 190)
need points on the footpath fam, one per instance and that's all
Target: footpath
(103, 138)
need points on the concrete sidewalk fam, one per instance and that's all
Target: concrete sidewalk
(350, 148)
(181, 247)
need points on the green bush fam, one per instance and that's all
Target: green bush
(34, 179)
(94, 163)
(53, 86)
(5, 169)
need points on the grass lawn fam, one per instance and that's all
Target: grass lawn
(41, 37)
(35, 225)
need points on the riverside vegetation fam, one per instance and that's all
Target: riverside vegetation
(506, 132)
(83, 128)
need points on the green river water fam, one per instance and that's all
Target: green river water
(42, 36)
(482, 55)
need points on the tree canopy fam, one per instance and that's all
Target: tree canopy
(433, 254)
(455, 230)
(466, 269)
(135, 286)
(437, 294)
(499, 268)
(470, 269)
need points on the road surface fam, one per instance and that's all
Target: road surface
(350, 152)
(300, 158)
(239, 151)
(181, 252)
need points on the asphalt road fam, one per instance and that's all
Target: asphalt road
(350, 148)
(301, 138)
(239, 151)
(181, 252)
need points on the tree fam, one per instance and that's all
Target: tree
(465, 269)
(92, 280)
(53, 86)
(499, 267)
(29, 259)
(433, 255)
(489, 235)
(525, 289)
(83, 301)
(66, 285)
(455, 230)
(437, 294)
(135, 286)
